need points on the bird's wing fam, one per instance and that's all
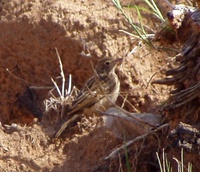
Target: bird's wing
(87, 97)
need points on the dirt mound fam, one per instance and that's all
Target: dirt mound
(30, 32)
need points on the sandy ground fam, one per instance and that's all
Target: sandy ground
(29, 33)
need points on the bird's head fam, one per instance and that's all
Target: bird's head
(107, 66)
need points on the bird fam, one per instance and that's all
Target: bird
(98, 93)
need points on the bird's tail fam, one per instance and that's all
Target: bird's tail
(65, 125)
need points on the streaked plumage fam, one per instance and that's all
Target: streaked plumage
(98, 93)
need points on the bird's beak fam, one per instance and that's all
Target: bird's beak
(118, 61)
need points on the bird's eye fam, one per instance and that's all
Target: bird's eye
(107, 63)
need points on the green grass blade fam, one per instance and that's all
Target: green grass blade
(128, 165)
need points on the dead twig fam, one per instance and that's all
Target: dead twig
(159, 72)
(116, 151)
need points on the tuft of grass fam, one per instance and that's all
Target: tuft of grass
(165, 165)
(65, 94)
(140, 31)
(155, 11)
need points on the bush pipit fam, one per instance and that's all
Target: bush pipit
(98, 93)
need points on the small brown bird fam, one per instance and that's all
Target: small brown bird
(98, 93)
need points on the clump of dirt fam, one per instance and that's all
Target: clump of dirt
(30, 32)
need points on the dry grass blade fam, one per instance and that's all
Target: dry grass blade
(62, 75)
(64, 94)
